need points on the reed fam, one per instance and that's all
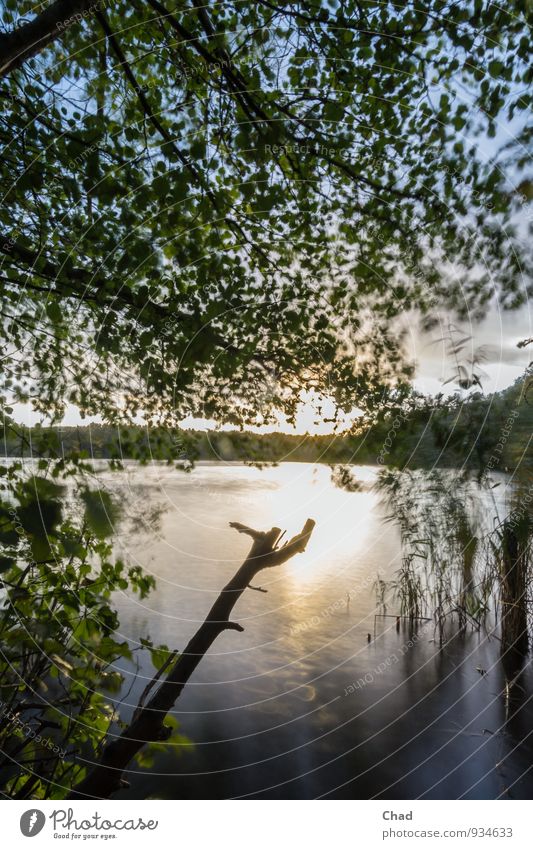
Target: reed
(442, 572)
(512, 557)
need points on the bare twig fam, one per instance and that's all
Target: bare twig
(147, 723)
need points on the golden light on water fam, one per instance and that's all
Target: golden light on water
(303, 491)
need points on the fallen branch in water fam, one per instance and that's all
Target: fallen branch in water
(147, 724)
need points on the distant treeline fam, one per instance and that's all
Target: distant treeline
(485, 432)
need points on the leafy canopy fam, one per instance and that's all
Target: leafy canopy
(211, 206)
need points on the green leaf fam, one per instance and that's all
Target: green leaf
(101, 512)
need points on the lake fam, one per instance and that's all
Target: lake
(319, 696)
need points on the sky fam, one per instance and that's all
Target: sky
(499, 334)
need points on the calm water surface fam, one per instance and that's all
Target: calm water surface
(301, 704)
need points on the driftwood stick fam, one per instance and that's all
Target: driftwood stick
(147, 724)
(257, 589)
(151, 684)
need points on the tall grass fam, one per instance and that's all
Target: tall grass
(456, 565)
(442, 572)
(511, 547)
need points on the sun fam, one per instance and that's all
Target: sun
(315, 416)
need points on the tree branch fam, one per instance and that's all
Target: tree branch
(147, 723)
(31, 37)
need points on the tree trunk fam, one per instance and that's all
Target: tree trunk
(30, 38)
(147, 722)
